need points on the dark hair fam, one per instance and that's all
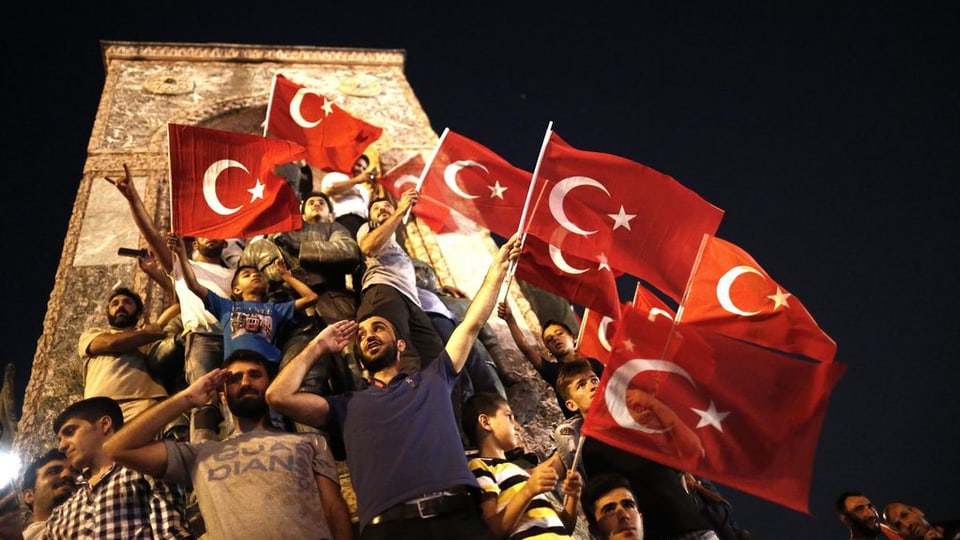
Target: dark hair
(29, 478)
(249, 355)
(841, 502)
(125, 291)
(374, 200)
(887, 506)
(597, 486)
(477, 404)
(314, 194)
(568, 372)
(91, 410)
(552, 322)
(236, 274)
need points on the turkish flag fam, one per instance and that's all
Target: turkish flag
(222, 184)
(588, 283)
(596, 332)
(730, 294)
(334, 139)
(473, 180)
(735, 413)
(647, 224)
(406, 175)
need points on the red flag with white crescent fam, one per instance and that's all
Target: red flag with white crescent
(735, 413)
(406, 175)
(334, 139)
(223, 185)
(648, 224)
(732, 295)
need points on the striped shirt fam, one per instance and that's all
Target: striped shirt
(504, 479)
(125, 505)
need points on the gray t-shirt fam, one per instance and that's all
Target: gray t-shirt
(390, 266)
(260, 484)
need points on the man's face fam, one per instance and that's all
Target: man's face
(378, 343)
(360, 165)
(380, 211)
(557, 340)
(246, 388)
(209, 247)
(907, 520)
(81, 441)
(581, 390)
(122, 312)
(617, 516)
(503, 428)
(862, 516)
(56, 481)
(315, 210)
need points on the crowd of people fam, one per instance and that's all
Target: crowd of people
(282, 357)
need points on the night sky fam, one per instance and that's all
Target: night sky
(828, 135)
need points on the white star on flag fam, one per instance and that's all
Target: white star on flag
(496, 190)
(327, 107)
(628, 345)
(780, 298)
(256, 192)
(622, 219)
(604, 265)
(711, 416)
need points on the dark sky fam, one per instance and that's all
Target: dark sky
(829, 135)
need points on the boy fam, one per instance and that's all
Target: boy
(576, 385)
(514, 503)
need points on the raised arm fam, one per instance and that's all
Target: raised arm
(465, 335)
(176, 246)
(374, 241)
(284, 393)
(305, 295)
(142, 218)
(135, 445)
(529, 351)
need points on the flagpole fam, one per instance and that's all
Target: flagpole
(273, 88)
(426, 167)
(583, 324)
(512, 269)
(693, 271)
(576, 459)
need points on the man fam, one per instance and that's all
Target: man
(559, 341)
(389, 283)
(403, 447)
(611, 508)
(321, 254)
(47, 482)
(860, 516)
(912, 524)
(114, 361)
(111, 501)
(260, 482)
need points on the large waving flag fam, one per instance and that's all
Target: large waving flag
(590, 284)
(732, 295)
(646, 223)
(334, 139)
(406, 175)
(222, 184)
(597, 330)
(735, 413)
(479, 184)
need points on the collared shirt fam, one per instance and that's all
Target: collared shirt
(125, 505)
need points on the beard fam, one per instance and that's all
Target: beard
(249, 408)
(122, 319)
(387, 356)
(211, 251)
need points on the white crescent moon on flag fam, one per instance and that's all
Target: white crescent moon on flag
(557, 257)
(723, 289)
(295, 112)
(404, 180)
(560, 191)
(450, 176)
(210, 185)
(616, 392)
(602, 333)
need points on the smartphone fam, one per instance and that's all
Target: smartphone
(130, 252)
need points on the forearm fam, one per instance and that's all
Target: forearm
(377, 238)
(145, 225)
(335, 509)
(306, 296)
(284, 394)
(143, 428)
(122, 342)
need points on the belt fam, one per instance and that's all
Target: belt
(428, 506)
